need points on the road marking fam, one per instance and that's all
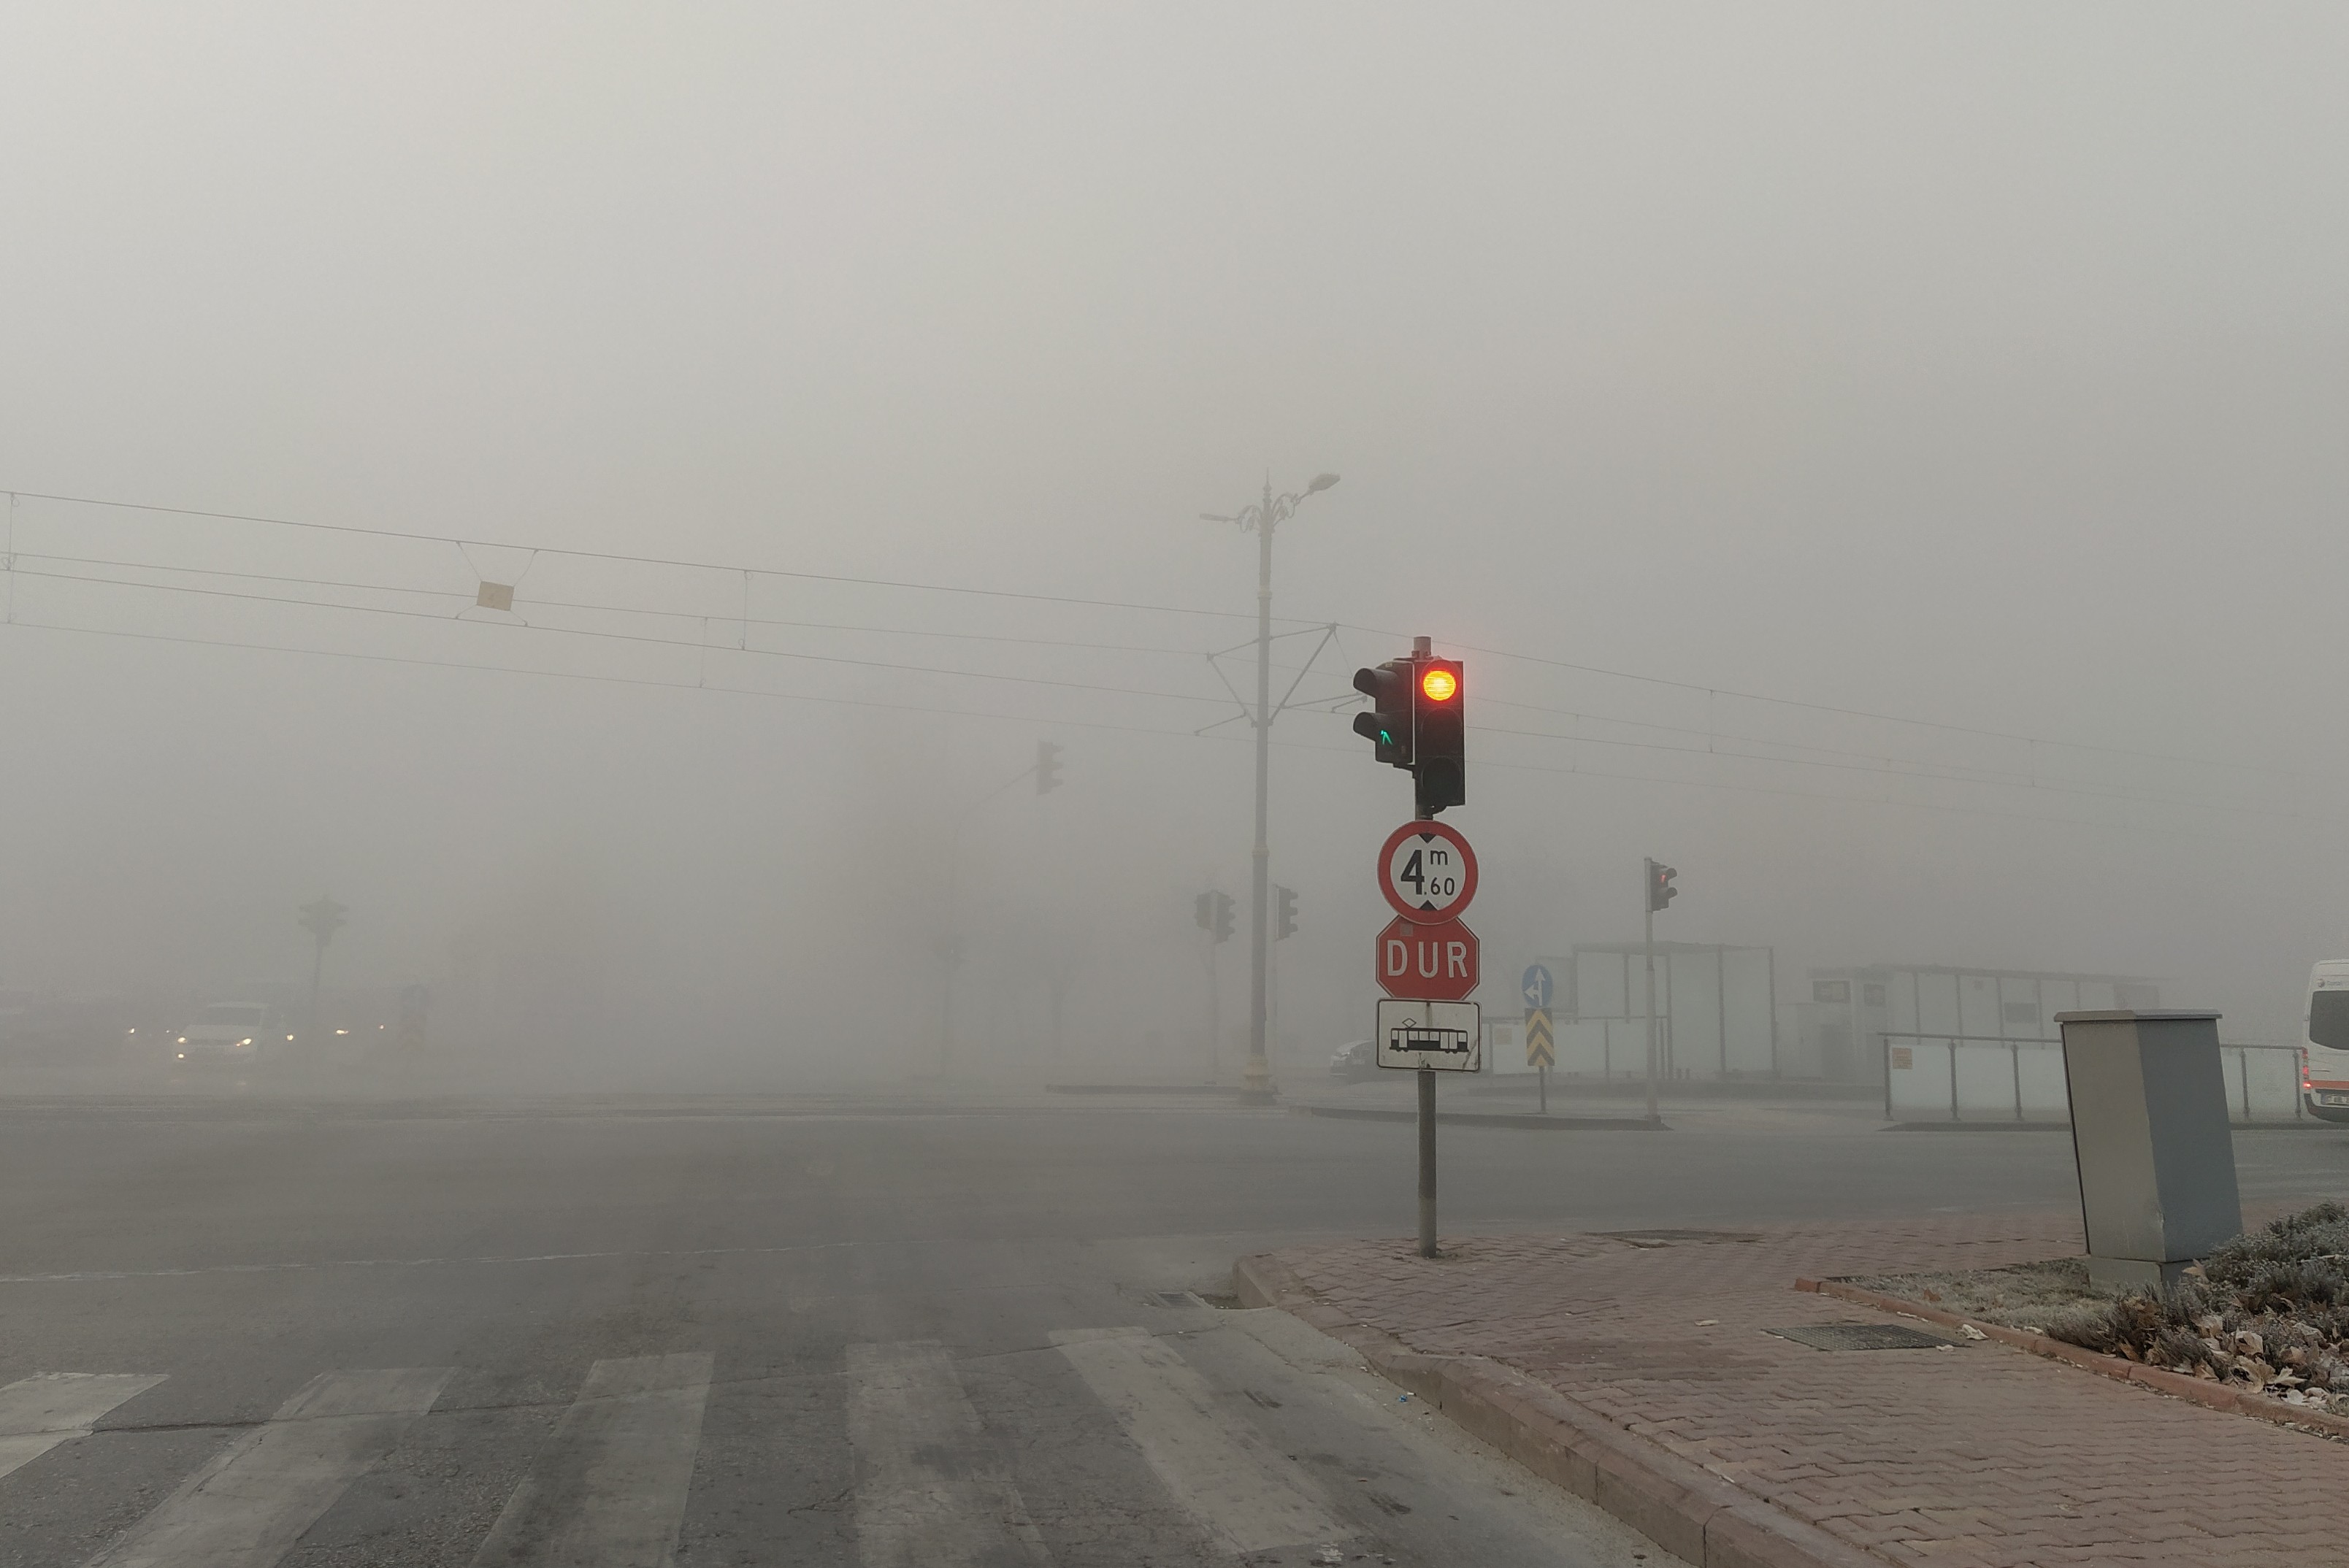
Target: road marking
(1243, 1491)
(81, 1276)
(251, 1500)
(608, 1491)
(933, 1491)
(38, 1413)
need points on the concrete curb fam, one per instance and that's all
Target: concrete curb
(1681, 1506)
(1532, 1121)
(2217, 1396)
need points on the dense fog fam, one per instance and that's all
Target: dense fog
(1887, 463)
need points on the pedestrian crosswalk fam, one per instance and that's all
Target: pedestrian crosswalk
(937, 1476)
(252, 1500)
(1240, 1489)
(36, 1414)
(609, 1490)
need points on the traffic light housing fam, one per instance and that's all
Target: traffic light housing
(1285, 903)
(1439, 693)
(1417, 722)
(1212, 913)
(1047, 768)
(1661, 891)
(1387, 724)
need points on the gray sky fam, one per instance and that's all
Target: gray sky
(1982, 366)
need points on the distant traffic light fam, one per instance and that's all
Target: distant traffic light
(1387, 724)
(1285, 901)
(1212, 912)
(1047, 768)
(1661, 891)
(1439, 750)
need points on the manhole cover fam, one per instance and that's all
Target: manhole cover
(1666, 1238)
(1864, 1336)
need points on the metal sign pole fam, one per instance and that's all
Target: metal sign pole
(1427, 1162)
(1543, 1072)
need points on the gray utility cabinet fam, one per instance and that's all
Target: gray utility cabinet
(2149, 1131)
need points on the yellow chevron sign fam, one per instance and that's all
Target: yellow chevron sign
(1539, 1051)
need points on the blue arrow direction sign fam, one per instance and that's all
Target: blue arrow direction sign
(1536, 989)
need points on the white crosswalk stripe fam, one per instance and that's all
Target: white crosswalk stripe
(251, 1500)
(1244, 1492)
(38, 1413)
(931, 1493)
(934, 1486)
(609, 1489)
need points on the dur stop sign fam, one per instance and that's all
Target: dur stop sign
(1439, 963)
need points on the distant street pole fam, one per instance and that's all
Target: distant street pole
(1263, 517)
(1648, 902)
(321, 919)
(1046, 771)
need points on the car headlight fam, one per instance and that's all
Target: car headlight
(183, 1040)
(246, 1041)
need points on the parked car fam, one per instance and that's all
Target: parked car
(1355, 1060)
(232, 1032)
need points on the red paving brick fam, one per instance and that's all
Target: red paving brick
(1983, 1455)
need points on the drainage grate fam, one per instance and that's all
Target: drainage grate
(1174, 1298)
(1666, 1238)
(1864, 1336)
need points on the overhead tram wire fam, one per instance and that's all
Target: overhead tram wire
(593, 679)
(463, 598)
(1693, 686)
(630, 638)
(724, 690)
(1890, 767)
(1839, 711)
(578, 554)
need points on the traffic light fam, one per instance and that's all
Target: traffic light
(1285, 901)
(1416, 722)
(1212, 912)
(1387, 724)
(1439, 751)
(1047, 768)
(1661, 891)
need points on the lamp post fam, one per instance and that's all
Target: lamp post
(1264, 517)
(321, 919)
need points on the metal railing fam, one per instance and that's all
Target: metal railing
(1989, 1078)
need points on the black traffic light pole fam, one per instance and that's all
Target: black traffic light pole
(1657, 890)
(1416, 723)
(1214, 915)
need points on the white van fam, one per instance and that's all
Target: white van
(2325, 1060)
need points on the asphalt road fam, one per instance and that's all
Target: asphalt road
(814, 1330)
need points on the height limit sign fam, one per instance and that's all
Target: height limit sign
(1427, 872)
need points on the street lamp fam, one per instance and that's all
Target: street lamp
(1264, 517)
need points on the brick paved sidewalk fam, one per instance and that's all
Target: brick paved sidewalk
(1980, 1455)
